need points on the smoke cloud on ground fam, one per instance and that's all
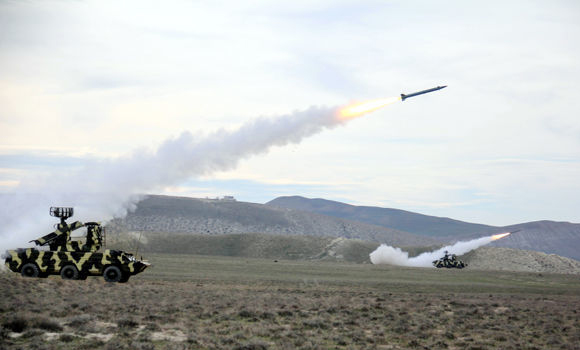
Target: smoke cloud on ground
(386, 254)
(111, 187)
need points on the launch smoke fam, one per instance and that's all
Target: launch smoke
(108, 188)
(386, 254)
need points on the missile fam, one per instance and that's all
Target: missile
(518, 230)
(403, 96)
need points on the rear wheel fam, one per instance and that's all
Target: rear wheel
(113, 274)
(30, 270)
(69, 272)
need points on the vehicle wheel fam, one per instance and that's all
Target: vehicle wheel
(69, 272)
(125, 277)
(113, 274)
(30, 270)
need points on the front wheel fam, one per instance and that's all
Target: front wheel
(113, 274)
(30, 270)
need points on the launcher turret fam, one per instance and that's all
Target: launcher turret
(60, 239)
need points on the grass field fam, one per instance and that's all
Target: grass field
(201, 302)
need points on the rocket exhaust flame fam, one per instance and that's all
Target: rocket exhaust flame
(361, 108)
(499, 236)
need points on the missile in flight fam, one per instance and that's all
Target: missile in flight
(403, 96)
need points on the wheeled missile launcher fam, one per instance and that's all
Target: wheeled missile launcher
(69, 258)
(449, 261)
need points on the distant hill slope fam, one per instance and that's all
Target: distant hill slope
(285, 247)
(201, 216)
(507, 259)
(562, 238)
(393, 218)
(257, 245)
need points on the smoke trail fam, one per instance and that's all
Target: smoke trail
(386, 254)
(109, 188)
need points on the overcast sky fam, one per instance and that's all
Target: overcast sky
(83, 81)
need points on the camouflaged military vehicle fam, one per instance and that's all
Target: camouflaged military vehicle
(69, 258)
(449, 261)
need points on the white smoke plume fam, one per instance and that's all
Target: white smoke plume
(386, 254)
(108, 188)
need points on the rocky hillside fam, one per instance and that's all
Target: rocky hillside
(253, 245)
(562, 238)
(507, 259)
(303, 247)
(201, 216)
(393, 218)
(212, 217)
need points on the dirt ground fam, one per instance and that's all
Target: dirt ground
(190, 302)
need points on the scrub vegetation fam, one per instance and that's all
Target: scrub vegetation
(203, 302)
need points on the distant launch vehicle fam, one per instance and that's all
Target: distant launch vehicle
(403, 96)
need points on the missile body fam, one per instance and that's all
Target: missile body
(403, 96)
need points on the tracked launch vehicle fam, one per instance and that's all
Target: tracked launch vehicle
(449, 261)
(69, 258)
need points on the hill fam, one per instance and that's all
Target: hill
(393, 218)
(302, 216)
(252, 245)
(507, 259)
(284, 247)
(562, 238)
(211, 217)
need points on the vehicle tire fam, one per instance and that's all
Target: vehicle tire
(30, 270)
(113, 274)
(125, 277)
(69, 272)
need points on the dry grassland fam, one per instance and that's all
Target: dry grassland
(200, 302)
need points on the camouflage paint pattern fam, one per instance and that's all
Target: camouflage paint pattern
(449, 262)
(87, 263)
(60, 238)
(66, 252)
